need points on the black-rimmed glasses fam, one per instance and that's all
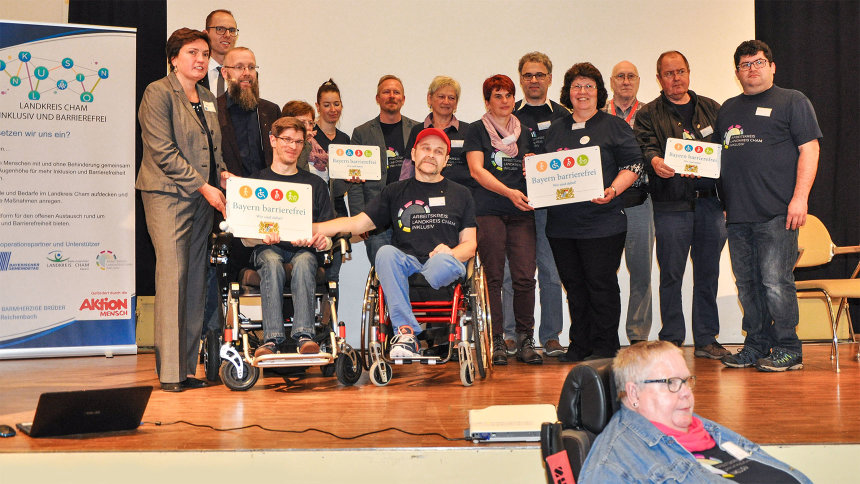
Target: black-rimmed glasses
(221, 30)
(758, 63)
(674, 384)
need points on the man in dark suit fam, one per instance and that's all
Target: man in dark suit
(222, 31)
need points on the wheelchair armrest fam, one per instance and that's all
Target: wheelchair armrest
(220, 251)
(342, 241)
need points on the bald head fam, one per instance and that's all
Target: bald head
(624, 83)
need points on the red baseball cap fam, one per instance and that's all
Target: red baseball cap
(434, 132)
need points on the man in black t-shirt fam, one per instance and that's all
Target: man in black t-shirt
(769, 160)
(433, 223)
(287, 140)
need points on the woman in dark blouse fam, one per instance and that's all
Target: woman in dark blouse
(587, 238)
(495, 147)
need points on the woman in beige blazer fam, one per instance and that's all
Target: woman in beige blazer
(178, 179)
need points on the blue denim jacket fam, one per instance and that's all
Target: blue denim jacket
(631, 449)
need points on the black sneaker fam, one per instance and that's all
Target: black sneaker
(780, 359)
(744, 358)
(500, 354)
(526, 350)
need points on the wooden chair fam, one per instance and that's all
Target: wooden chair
(815, 248)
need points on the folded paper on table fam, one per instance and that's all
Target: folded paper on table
(689, 157)
(258, 207)
(568, 176)
(354, 161)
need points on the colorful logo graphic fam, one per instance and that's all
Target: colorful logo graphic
(555, 164)
(698, 149)
(245, 191)
(56, 256)
(498, 160)
(339, 152)
(735, 130)
(261, 193)
(349, 152)
(709, 151)
(679, 147)
(568, 162)
(564, 193)
(55, 76)
(404, 215)
(277, 195)
(292, 196)
(688, 148)
(541, 166)
(582, 160)
(104, 259)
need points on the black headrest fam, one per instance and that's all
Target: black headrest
(588, 398)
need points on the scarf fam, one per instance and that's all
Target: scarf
(696, 439)
(511, 133)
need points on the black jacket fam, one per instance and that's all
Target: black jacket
(655, 123)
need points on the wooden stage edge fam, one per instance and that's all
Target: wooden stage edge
(812, 406)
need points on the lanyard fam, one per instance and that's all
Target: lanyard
(629, 116)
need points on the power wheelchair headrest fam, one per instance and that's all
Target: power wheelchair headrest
(588, 397)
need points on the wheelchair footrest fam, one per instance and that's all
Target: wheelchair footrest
(292, 359)
(424, 360)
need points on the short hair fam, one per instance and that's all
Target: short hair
(750, 48)
(632, 364)
(535, 57)
(289, 122)
(243, 49)
(389, 77)
(439, 82)
(497, 83)
(179, 38)
(583, 69)
(212, 14)
(327, 86)
(297, 108)
(670, 52)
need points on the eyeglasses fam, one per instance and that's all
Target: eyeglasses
(579, 87)
(674, 384)
(537, 75)
(241, 68)
(671, 74)
(629, 77)
(289, 141)
(221, 30)
(758, 63)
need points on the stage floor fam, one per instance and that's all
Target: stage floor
(812, 406)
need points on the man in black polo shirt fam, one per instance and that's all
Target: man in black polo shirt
(537, 112)
(688, 218)
(434, 233)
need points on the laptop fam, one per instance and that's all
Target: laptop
(509, 423)
(87, 411)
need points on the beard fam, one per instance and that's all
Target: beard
(432, 162)
(247, 98)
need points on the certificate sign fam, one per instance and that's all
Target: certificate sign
(348, 161)
(561, 177)
(258, 207)
(689, 157)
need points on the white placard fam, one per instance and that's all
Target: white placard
(348, 161)
(688, 157)
(257, 207)
(561, 177)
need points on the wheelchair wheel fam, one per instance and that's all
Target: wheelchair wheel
(467, 374)
(328, 370)
(348, 367)
(368, 312)
(232, 380)
(380, 373)
(481, 325)
(211, 357)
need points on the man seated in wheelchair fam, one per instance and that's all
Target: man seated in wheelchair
(433, 221)
(287, 138)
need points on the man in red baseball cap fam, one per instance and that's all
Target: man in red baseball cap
(433, 222)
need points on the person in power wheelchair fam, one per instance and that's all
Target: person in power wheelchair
(434, 235)
(272, 258)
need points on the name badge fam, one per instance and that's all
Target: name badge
(544, 125)
(209, 106)
(707, 131)
(456, 143)
(436, 201)
(760, 111)
(509, 139)
(576, 126)
(735, 451)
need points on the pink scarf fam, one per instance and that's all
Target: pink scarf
(696, 439)
(318, 156)
(511, 131)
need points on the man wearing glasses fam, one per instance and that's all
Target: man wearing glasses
(688, 218)
(639, 243)
(221, 27)
(287, 140)
(769, 160)
(537, 113)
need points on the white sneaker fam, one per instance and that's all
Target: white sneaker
(404, 344)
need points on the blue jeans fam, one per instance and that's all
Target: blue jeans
(763, 256)
(550, 289)
(375, 242)
(269, 261)
(638, 248)
(701, 234)
(393, 268)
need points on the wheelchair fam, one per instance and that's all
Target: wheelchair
(230, 355)
(458, 313)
